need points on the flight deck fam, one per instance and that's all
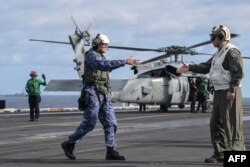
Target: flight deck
(173, 139)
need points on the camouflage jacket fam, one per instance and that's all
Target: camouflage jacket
(94, 61)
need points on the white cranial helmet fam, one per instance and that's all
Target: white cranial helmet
(222, 32)
(100, 39)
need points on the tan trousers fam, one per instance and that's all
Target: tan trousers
(226, 124)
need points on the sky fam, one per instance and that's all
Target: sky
(133, 23)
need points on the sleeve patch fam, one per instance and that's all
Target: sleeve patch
(234, 54)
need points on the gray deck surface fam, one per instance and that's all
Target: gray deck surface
(175, 139)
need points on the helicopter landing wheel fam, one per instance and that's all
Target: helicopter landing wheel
(181, 106)
(163, 108)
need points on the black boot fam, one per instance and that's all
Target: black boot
(113, 155)
(68, 149)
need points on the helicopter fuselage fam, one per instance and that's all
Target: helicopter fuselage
(161, 90)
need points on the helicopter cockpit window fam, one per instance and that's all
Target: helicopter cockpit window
(151, 74)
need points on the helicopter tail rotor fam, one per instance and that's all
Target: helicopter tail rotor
(67, 9)
(85, 35)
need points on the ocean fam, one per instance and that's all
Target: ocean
(58, 101)
(48, 101)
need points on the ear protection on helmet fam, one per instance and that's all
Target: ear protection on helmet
(33, 74)
(96, 41)
(222, 32)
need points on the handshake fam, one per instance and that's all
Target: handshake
(132, 61)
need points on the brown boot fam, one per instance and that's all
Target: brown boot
(214, 159)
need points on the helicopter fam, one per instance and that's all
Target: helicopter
(155, 81)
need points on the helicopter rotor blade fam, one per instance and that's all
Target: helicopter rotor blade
(56, 42)
(175, 51)
(92, 22)
(208, 42)
(245, 57)
(40, 40)
(199, 44)
(165, 49)
(132, 48)
(234, 35)
(156, 58)
(200, 53)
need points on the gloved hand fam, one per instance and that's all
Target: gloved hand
(43, 76)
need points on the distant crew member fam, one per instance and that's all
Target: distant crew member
(95, 98)
(225, 70)
(33, 89)
(193, 95)
(203, 96)
(142, 107)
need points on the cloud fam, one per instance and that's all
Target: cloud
(135, 23)
(11, 59)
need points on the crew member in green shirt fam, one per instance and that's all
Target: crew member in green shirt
(33, 89)
(203, 96)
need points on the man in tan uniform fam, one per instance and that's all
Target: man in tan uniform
(225, 70)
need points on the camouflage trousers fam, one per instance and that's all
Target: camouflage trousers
(101, 108)
(226, 124)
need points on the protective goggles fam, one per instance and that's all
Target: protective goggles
(213, 37)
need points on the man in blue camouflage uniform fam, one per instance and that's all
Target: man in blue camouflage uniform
(225, 70)
(95, 98)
